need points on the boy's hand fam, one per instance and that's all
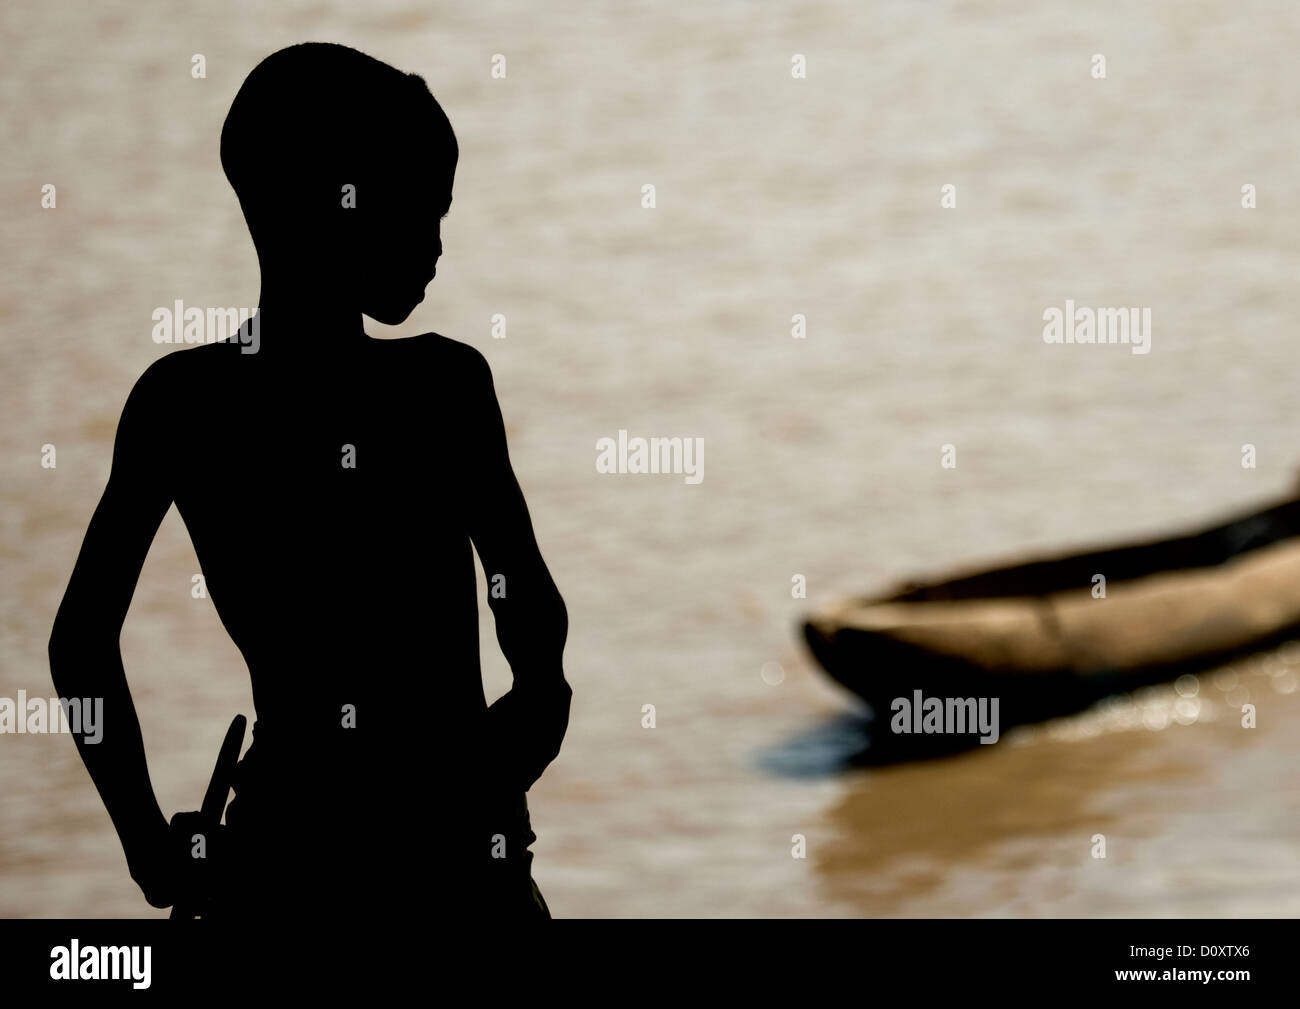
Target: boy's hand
(172, 867)
(527, 726)
(148, 856)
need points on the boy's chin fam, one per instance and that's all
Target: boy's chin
(392, 313)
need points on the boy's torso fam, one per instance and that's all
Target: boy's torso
(327, 500)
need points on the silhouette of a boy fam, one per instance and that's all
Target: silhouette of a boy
(332, 491)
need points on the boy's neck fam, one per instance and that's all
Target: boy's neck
(308, 323)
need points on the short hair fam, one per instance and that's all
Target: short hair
(316, 116)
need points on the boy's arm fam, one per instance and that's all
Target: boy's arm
(85, 655)
(529, 722)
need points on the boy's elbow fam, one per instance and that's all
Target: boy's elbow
(558, 620)
(62, 649)
(71, 648)
(61, 662)
(60, 641)
(561, 618)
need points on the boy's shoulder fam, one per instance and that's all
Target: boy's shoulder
(438, 349)
(428, 354)
(449, 360)
(163, 372)
(187, 359)
(181, 369)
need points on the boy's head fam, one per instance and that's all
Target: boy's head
(343, 166)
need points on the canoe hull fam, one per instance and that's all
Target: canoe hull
(1061, 650)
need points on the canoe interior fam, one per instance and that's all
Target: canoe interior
(1207, 548)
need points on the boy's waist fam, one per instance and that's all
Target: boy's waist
(368, 769)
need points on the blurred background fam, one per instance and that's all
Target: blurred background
(775, 196)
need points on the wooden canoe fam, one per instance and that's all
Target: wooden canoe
(1037, 635)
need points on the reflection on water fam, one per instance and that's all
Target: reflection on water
(1011, 829)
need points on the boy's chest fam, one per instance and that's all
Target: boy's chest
(354, 444)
